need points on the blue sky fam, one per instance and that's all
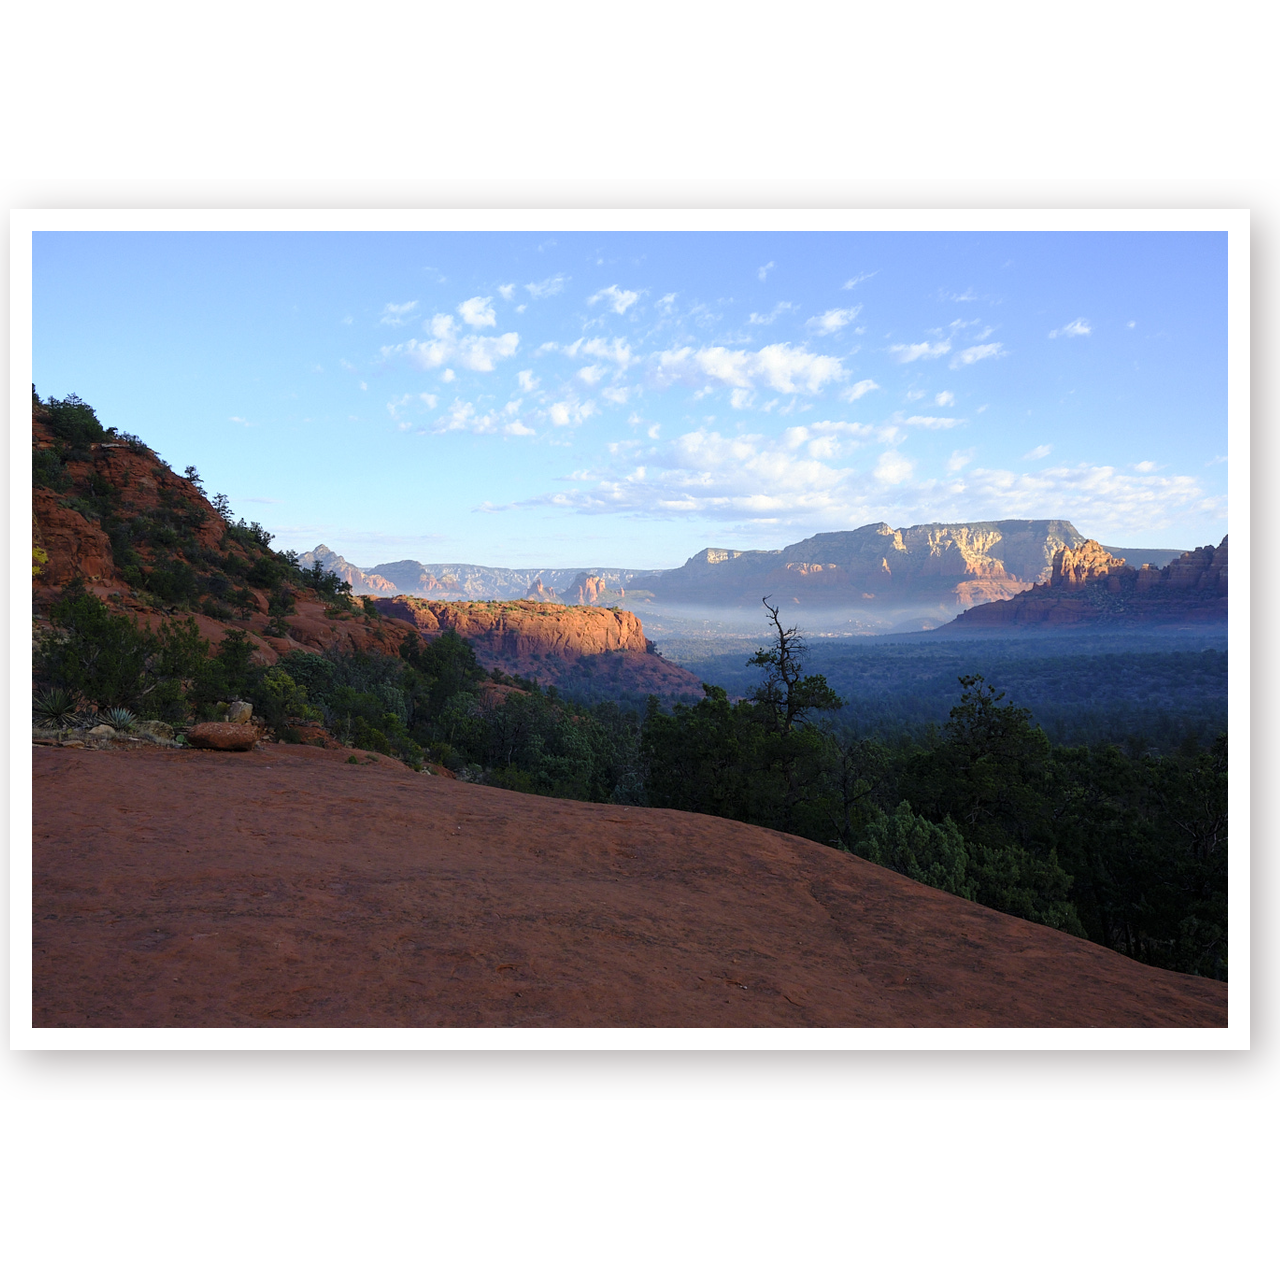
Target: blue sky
(626, 398)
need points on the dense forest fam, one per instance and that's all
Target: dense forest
(909, 758)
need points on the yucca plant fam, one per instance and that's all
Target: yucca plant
(56, 707)
(121, 719)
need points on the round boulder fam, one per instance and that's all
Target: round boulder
(218, 736)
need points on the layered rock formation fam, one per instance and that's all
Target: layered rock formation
(551, 643)
(948, 566)
(1090, 587)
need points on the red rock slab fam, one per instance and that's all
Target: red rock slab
(217, 735)
(286, 887)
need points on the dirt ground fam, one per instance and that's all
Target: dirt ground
(286, 887)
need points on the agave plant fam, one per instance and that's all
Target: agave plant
(119, 718)
(57, 707)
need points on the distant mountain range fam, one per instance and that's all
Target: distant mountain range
(935, 571)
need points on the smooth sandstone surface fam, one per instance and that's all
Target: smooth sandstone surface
(286, 887)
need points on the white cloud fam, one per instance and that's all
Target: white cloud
(1040, 451)
(462, 415)
(780, 309)
(944, 398)
(570, 412)
(477, 312)
(762, 272)
(546, 288)
(958, 460)
(971, 355)
(853, 282)
(894, 468)
(506, 291)
(907, 352)
(1078, 328)
(397, 313)
(616, 395)
(654, 431)
(1146, 467)
(592, 374)
(832, 321)
(741, 398)
(619, 299)
(780, 366)
(916, 395)
(931, 424)
(448, 346)
(618, 351)
(527, 381)
(858, 390)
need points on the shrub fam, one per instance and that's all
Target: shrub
(932, 853)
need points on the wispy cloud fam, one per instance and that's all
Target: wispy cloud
(619, 299)
(462, 415)
(959, 460)
(1040, 451)
(548, 287)
(832, 321)
(780, 366)
(907, 352)
(397, 313)
(971, 355)
(506, 291)
(858, 390)
(1078, 328)
(763, 272)
(854, 281)
(929, 424)
(944, 398)
(769, 317)
(449, 346)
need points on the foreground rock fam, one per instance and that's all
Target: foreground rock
(288, 887)
(220, 736)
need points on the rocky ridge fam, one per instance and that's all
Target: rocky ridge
(1091, 587)
(550, 642)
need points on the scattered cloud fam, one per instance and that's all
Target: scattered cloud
(763, 272)
(449, 346)
(854, 281)
(959, 460)
(930, 424)
(506, 291)
(1146, 467)
(527, 381)
(780, 309)
(462, 415)
(971, 355)
(618, 351)
(1078, 328)
(477, 312)
(832, 321)
(1040, 451)
(858, 390)
(619, 299)
(906, 353)
(944, 398)
(548, 287)
(780, 366)
(397, 313)
(570, 412)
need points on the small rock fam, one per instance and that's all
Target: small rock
(218, 736)
(102, 731)
(240, 713)
(155, 728)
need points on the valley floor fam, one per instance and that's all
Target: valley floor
(287, 887)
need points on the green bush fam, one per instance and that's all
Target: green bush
(930, 852)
